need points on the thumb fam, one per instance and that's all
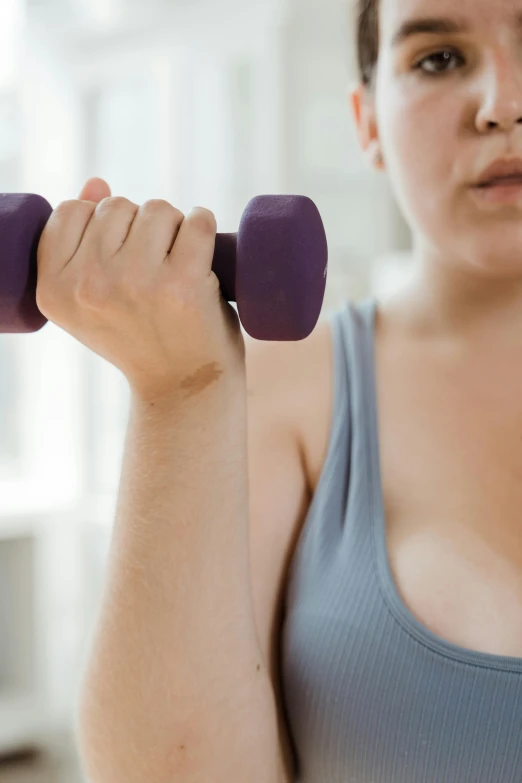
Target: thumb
(95, 189)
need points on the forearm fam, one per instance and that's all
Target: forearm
(175, 685)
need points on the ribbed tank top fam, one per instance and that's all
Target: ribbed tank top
(370, 694)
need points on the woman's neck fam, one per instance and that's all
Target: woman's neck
(445, 299)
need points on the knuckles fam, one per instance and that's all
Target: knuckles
(160, 207)
(115, 203)
(200, 218)
(203, 220)
(72, 208)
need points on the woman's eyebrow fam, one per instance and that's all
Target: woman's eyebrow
(436, 25)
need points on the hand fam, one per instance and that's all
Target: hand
(135, 285)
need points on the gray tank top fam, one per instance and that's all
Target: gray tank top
(370, 694)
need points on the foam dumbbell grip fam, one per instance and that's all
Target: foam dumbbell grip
(274, 268)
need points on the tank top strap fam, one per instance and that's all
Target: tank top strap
(352, 336)
(354, 358)
(354, 376)
(342, 491)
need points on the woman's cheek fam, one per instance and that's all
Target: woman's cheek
(418, 138)
(413, 168)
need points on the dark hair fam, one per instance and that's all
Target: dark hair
(367, 39)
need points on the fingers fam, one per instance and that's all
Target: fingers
(162, 234)
(193, 252)
(116, 233)
(75, 223)
(110, 228)
(63, 235)
(80, 238)
(152, 234)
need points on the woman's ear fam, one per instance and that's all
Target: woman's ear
(363, 109)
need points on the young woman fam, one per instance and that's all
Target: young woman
(401, 653)
(369, 626)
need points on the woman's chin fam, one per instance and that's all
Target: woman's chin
(500, 259)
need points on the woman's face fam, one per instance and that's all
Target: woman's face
(447, 104)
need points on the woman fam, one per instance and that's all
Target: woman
(402, 644)
(377, 634)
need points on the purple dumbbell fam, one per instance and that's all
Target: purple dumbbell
(275, 267)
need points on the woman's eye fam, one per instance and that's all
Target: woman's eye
(439, 62)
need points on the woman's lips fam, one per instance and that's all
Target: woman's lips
(500, 191)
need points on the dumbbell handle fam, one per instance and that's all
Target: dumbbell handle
(224, 264)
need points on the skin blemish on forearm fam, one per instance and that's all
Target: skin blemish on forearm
(201, 379)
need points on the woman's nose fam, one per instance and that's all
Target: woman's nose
(501, 95)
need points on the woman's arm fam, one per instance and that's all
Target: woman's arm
(176, 690)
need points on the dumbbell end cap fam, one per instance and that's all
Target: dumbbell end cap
(23, 217)
(282, 264)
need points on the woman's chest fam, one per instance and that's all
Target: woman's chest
(450, 440)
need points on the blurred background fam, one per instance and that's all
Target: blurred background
(200, 102)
